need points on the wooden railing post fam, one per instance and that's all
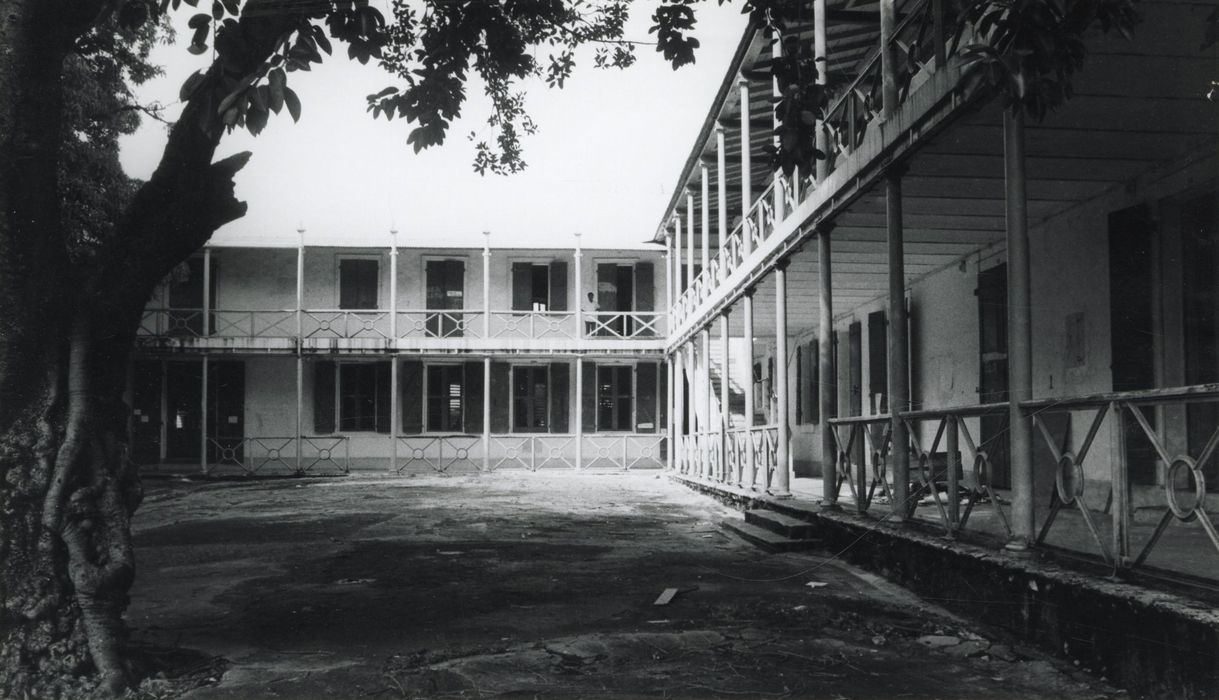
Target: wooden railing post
(1121, 490)
(951, 436)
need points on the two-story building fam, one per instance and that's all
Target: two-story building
(1002, 326)
(324, 358)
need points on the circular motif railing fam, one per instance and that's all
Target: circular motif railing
(1067, 464)
(1187, 462)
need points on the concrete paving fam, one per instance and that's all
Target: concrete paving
(529, 585)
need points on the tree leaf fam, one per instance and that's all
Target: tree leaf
(293, 103)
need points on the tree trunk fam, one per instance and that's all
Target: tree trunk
(67, 491)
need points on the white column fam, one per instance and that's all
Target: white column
(721, 186)
(826, 381)
(681, 280)
(487, 413)
(781, 485)
(746, 185)
(668, 273)
(708, 397)
(487, 286)
(819, 60)
(394, 412)
(671, 412)
(300, 335)
(692, 403)
(725, 397)
(776, 52)
(747, 350)
(690, 235)
(705, 200)
(394, 408)
(679, 407)
(579, 412)
(578, 285)
(207, 291)
(203, 419)
(393, 287)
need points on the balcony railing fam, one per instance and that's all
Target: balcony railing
(717, 458)
(347, 324)
(443, 454)
(308, 455)
(1089, 512)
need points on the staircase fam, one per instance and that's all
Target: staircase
(774, 532)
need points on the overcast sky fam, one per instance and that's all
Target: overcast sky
(607, 154)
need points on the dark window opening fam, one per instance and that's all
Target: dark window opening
(445, 398)
(358, 283)
(614, 398)
(530, 399)
(364, 397)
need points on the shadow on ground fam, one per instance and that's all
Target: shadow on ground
(531, 585)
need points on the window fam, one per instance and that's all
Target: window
(530, 399)
(358, 283)
(615, 398)
(445, 394)
(363, 397)
(445, 282)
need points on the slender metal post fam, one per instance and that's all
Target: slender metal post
(207, 291)
(708, 399)
(394, 412)
(203, 419)
(819, 59)
(682, 280)
(487, 413)
(888, 63)
(672, 422)
(579, 287)
(1120, 483)
(300, 343)
(690, 235)
(951, 443)
(679, 408)
(668, 276)
(579, 412)
(487, 288)
(781, 484)
(705, 201)
(746, 185)
(393, 287)
(300, 401)
(898, 350)
(164, 432)
(721, 187)
(827, 383)
(725, 398)
(776, 53)
(747, 351)
(696, 421)
(937, 33)
(1019, 332)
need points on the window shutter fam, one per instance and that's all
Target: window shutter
(383, 389)
(645, 397)
(560, 379)
(878, 362)
(814, 381)
(522, 286)
(323, 397)
(589, 400)
(501, 396)
(801, 390)
(558, 286)
(410, 374)
(645, 287)
(434, 282)
(472, 397)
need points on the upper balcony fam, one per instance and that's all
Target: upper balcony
(326, 299)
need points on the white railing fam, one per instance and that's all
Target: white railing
(624, 324)
(309, 454)
(440, 453)
(533, 325)
(440, 323)
(171, 322)
(345, 324)
(254, 324)
(615, 451)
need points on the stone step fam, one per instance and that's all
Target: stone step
(781, 524)
(770, 541)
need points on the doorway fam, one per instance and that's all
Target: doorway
(183, 410)
(446, 285)
(992, 375)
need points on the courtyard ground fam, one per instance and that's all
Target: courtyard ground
(529, 585)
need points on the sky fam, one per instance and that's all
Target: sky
(604, 162)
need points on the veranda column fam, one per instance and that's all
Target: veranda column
(487, 285)
(708, 397)
(578, 286)
(776, 53)
(888, 67)
(690, 236)
(705, 200)
(747, 351)
(487, 413)
(300, 341)
(394, 400)
(725, 397)
(819, 59)
(899, 354)
(679, 408)
(746, 185)
(679, 276)
(721, 187)
(1019, 334)
(781, 484)
(672, 413)
(579, 412)
(696, 423)
(207, 331)
(668, 277)
(827, 384)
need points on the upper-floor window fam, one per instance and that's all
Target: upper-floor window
(539, 286)
(358, 282)
(445, 292)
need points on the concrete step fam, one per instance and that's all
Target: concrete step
(770, 541)
(781, 524)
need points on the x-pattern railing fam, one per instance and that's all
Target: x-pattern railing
(345, 324)
(765, 452)
(625, 324)
(325, 452)
(1176, 468)
(253, 323)
(171, 322)
(862, 457)
(533, 324)
(438, 452)
(254, 454)
(439, 323)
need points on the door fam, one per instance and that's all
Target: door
(615, 295)
(1200, 293)
(146, 411)
(992, 372)
(1132, 327)
(183, 412)
(186, 297)
(226, 411)
(446, 284)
